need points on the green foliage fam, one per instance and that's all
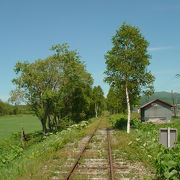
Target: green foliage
(128, 60)
(10, 155)
(165, 160)
(57, 88)
(98, 100)
(14, 161)
(116, 102)
(176, 124)
(126, 65)
(118, 121)
(145, 136)
(168, 162)
(17, 96)
(7, 109)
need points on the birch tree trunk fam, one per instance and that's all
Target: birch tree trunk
(129, 110)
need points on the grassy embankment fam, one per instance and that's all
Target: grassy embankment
(16, 163)
(142, 145)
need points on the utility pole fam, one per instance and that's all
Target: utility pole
(172, 93)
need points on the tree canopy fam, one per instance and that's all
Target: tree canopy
(98, 99)
(126, 64)
(58, 88)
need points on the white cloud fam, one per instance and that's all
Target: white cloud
(160, 48)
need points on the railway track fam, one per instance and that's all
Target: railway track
(95, 159)
(92, 158)
(80, 155)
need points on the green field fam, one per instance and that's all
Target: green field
(12, 124)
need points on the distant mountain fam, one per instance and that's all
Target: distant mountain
(164, 96)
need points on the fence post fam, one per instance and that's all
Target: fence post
(22, 138)
(168, 137)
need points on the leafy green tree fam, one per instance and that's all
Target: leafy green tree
(81, 101)
(76, 85)
(127, 64)
(38, 80)
(2, 108)
(98, 97)
(114, 101)
(17, 97)
(7, 109)
(49, 85)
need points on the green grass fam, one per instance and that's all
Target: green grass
(143, 142)
(176, 123)
(13, 124)
(14, 162)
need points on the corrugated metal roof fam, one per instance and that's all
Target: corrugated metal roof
(155, 101)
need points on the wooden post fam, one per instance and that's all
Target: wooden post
(22, 138)
(168, 137)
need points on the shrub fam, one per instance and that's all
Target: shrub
(118, 121)
(168, 162)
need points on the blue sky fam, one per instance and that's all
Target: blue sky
(29, 28)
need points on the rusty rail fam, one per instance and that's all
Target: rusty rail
(79, 157)
(112, 177)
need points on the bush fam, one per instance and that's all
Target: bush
(168, 162)
(118, 121)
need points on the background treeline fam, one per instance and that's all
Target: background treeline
(116, 100)
(165, 96)
(9, 109)
(58, 89)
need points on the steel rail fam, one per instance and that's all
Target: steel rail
(112, 177)
(79, 157)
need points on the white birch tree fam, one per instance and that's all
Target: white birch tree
(126, 64)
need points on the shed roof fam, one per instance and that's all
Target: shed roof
(155, 101)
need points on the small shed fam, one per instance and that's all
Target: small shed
(156, 111)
